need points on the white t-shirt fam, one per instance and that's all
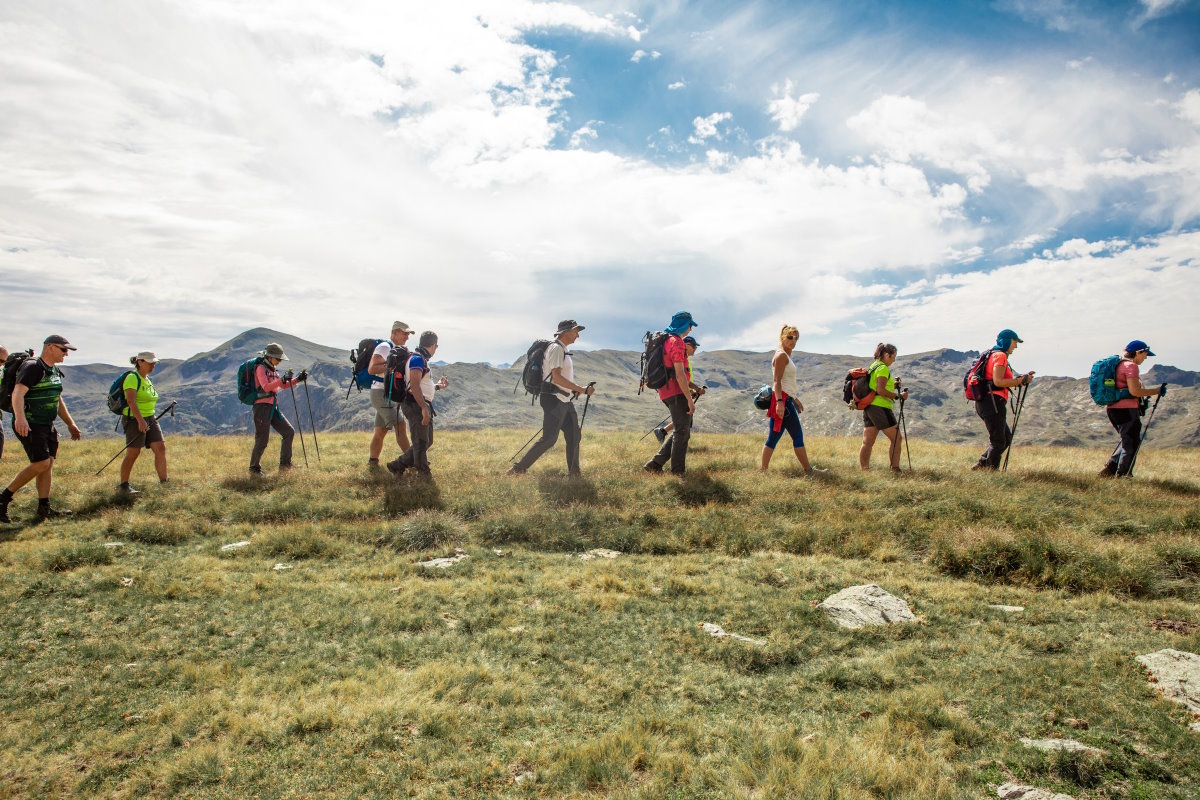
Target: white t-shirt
(557, 357)
(383, 350)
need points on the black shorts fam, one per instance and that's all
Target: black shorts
(135, 438)
(878, 417)
(41, 443)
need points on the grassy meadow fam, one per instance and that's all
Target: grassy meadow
(165, 667)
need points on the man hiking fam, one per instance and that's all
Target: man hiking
(3, 358)
(387, 413)
(675, 396)
(36, 403)
(559, 391)
(663, 430)
(269, 383)
(993, 408)
(418, 406)
(1126, 414)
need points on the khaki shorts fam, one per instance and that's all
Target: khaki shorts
(878, 417)
(385, 417)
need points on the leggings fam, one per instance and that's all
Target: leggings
(791, 424)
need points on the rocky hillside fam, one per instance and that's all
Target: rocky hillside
(1058, 410)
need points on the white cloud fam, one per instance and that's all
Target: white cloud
(587, 131)
(1153, 9)
(786, 110)
(639, 54)
(676, 85)
(706, 127)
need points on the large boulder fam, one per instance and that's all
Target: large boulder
(1177, 674)
(859, 606)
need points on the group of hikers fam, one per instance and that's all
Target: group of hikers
(402, 389)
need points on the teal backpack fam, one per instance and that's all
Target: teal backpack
(247, 388)
(1102, 383)
(116, 393)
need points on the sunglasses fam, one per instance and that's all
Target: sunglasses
(63, 350)
(790, 336)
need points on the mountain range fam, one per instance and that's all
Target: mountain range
(1058, 410)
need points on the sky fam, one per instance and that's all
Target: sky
(174, 173)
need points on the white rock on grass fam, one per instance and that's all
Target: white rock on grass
(1007, 609)
(1060, 745)
(860, 606)
(717, 632)
(114, 544)
(599, 552)
(1178, 677)
(1017, 791)
(234, 546)
(280, 567)
(449, 561)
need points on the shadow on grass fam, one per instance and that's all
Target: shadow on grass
(1175, 487)
(562, 490)
(98, 504)
(698, 489)
(249, 484)
(412, 493)
(1082, 483)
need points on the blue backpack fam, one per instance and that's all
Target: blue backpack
(116, 393)
(361, 357)
(1102, 382)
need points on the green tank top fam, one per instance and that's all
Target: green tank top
(45, 386)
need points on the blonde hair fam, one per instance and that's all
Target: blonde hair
(786, 329)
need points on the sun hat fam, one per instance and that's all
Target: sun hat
(400, 326)
(1137, 346)
(274, 350)
(146, 356)
(568, 325)
(680, 322)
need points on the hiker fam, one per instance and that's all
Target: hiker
(141, 428)
(879, 416)
(3, 358)
(387, 413)
(36, 402)
(1126, 414)
(784, 411)
(557, 397)
(268, 383)
(691, 344)
(418, 406)
(673, 395)
(993, 408)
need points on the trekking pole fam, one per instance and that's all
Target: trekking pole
(1142, 438)
(299, 424)
(1016, 419)
(904, 433)
(585, 407)
(311, 423)
(169, 409)
(513, 457)
(656, 427)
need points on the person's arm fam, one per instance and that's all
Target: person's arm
(681, 379)
(134, 411)
(560, 380)
(882, 390)
(778, 364)
(414, 391)
(1134, 384)
(20, 424)
(378, 365)
(1010, 383)
(65, 416)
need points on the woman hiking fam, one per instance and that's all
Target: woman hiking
(141, 428)
(784, 411)
(1126, 415)
(267, 415)
(879, 416)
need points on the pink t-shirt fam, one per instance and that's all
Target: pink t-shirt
(269, 380)
(1126, 369)
(998, 360)
(674, 351)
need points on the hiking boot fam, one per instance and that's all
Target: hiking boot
(983, 468)
(652, 466)
(808, 473)
(256, 472)
(660, 434)
(48, 511)
(1109, 471)
(284, 467)
(396, 468)
(164, 480)
(4, 514)
(127, 490)
(373, 464)
(514, 472)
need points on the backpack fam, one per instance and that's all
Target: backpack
(762, 399)
(975, 385)
(116, 393)
(857, 391)
(531, 374)
(361, 358)
(654, 372)
(394, 383)
(1102, 382)
(247, 387)
(11, 366)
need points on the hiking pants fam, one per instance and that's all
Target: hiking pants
(1, 441)
(267, 416)
(674, 449)
(993, 411)
(417, 456)
(556, 416)
(1128, 422)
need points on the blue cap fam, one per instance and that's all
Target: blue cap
(681, 322)
(1137, 346)
(691, 340)
(1006, 337)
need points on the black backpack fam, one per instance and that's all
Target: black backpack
(975, 385)
(531, 374)
(857, 388)
(654, 373)
(394, 380)
(11, 366)
(360, 357)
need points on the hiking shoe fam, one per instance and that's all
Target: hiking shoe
(1108, 472)
(4, 514)
(164, 480)
(256, 472)
(652, 466)
(513, 472)
(127, 490)
(660, 434)
(284, 467)
(373, 464)
(983, 468)
(395, 467)
(49, 512)
(808, 473)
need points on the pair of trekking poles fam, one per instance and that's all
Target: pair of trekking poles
(582, 419)
(311, 422)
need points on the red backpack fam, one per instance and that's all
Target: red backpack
(975, 385)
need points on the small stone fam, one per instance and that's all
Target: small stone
(111, 545)
(598, 552)
(1008, 609)
(1060, 745)
(281, 567)
(808, 737)
(499, 552)
(717, 632)
(859, 606)
(1077, 724)
(1177, 674)
(516, 629)
(127, 582)
(234, 546)
(1016, 791)
(449, 561)
(523, 778)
